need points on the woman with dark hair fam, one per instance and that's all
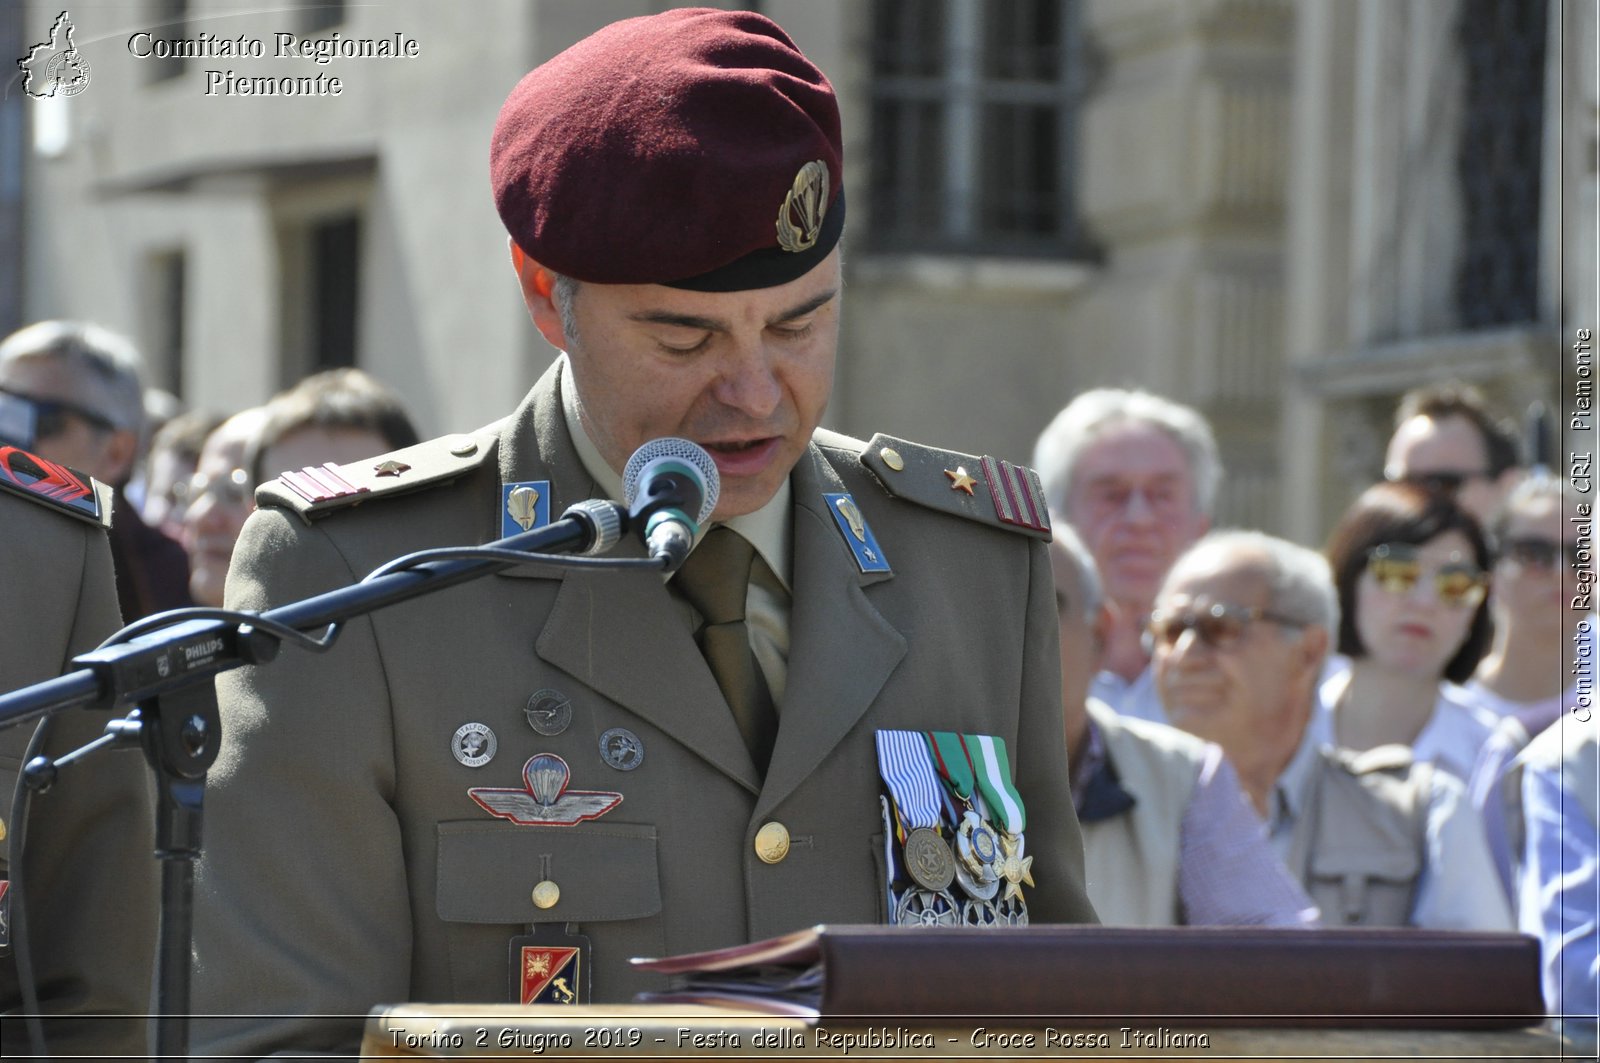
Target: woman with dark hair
(1412, 571)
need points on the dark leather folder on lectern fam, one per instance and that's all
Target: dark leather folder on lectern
(1401, 978)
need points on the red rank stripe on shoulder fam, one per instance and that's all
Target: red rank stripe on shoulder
(1018, 495)
(320, 484)
(49, 481)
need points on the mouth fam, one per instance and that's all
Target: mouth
(743, 457)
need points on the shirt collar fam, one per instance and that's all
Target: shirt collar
(1289, 793)
(1090, 764)
(767, 529)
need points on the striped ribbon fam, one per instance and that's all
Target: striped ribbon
(994, 781)
(908, 771)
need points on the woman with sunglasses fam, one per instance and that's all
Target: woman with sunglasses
(1411, 568)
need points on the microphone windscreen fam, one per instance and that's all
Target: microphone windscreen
(671, 454)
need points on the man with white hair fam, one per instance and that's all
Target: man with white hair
(1239, 633)
(1136, 475)
(71, 392)
(1169, 838)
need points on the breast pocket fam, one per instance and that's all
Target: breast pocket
(496, 879)
(600, 873)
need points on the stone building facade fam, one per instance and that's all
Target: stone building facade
(1284, 212)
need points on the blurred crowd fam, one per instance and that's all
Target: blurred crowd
(183, 480)
(1407, 711)
(1392, 728)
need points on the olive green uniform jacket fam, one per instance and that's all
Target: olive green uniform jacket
(90, 871)
(345, 863)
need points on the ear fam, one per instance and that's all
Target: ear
(1314, 650)
(1105, 621)
(538, 294)
(121, 448)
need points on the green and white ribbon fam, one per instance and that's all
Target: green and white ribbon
(994, 781)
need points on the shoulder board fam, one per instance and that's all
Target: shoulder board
(983, 489)
(55, 486)
(314, 492)
(1393, 758)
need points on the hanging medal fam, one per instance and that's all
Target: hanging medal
(993, 769)
(977, 844)
(913, 785)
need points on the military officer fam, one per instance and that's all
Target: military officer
(89, 868)
(509, 790)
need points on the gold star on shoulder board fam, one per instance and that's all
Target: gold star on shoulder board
(959, 480)
(391, 468)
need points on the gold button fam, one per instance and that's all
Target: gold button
(772, 843)
(891, 457)
(546, 894)
(2, 830)
(464, 448)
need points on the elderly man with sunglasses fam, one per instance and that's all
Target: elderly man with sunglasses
(71, 392)
(1168, 835)
(1239, 634)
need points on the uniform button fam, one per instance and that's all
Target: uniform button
(546, 894)
(2, 830)
(772, 843)
(464, 448)
(891, 457)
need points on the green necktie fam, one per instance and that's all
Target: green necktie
(715, 581)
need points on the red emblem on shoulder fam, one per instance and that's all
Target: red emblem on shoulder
(49, 482)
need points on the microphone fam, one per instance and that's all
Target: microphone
(666, 480)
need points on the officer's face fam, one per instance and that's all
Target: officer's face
(744, 374)
(1133, 502)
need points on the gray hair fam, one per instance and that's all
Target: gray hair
(1299, 581)
(563, 292)
(1073, 549)
(106, 357)
(1086, 417)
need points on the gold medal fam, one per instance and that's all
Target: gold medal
(1015, 867)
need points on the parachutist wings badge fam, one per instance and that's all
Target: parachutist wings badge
(544, 800)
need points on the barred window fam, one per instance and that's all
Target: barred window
(974, 126)
(1500, 160)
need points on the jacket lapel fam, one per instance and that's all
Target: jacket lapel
(842, 650)
(620, 633)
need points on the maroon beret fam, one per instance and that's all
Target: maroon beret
(696, 148)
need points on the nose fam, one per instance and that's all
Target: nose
(1189, 644)
(1424, 592)
(748, 381)
(1138, 509)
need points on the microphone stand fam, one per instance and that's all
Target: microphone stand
(168, 675)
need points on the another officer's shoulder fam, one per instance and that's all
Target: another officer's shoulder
(981, 488)
(26, 477)
(314, 493)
